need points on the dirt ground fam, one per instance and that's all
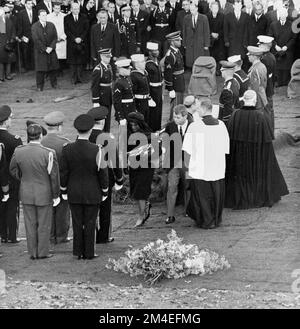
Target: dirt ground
(262, 245)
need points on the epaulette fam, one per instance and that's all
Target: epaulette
(17, 137)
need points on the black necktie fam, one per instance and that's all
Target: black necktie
(181, 132)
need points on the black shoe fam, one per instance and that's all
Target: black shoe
(92, 257)
(33, 258)
(14, 241)
(170, 220)
(106, 241)
(48, 256)
(3, 240)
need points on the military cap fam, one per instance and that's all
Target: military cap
(84, 122)
(137, 57)
(264, 39)
(125, 7)
(55, 118)
(256, 51)
(34, 130)
(227, 65)
(174, 36)
(152, 45)
(125, 62)
(5, 112)
(105, 51)
(98, 113)
(29, 122)
(189, 100)
(234, 59)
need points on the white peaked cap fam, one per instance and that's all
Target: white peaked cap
(234, 58)
(137, 57)
(264, 39)
(152, 46)
(123, 62)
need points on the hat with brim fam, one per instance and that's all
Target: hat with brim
(255, 51)
(98, 113)
(174, 36)
(137, 58)
(265, 39)
(30, 122)
(54, 118)
(123, 63)
(227, 65)
(5, 112)
(152, 46)
(84, 123)
(105, 51)
(236, 59)
(34, 130)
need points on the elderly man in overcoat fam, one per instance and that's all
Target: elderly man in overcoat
(44, 37)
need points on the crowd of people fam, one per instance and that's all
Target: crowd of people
(212, 159)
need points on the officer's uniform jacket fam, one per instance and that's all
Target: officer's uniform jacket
(242, 79)
(229, 99)
(174, 70)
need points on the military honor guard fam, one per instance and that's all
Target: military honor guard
(140, 86)
(102, 78)
(258, 76)
(239, 75)
(37, 169)
(269, 60)
(84, 183)
(53, 140)
(115, 174)
(123, 98)
(155, 85)
(3, 175)
(174, 71)
(229, 97)
(9, 210)
(129, 33)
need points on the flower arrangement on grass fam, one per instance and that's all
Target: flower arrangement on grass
(168, 259)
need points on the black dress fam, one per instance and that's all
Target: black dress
(253, 177)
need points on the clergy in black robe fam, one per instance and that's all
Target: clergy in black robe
(253, 177)
(284, 42)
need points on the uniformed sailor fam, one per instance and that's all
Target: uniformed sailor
(239, 75)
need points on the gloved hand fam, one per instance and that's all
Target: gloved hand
(96, 104)
(64, 197)
(5, 198)
(123, 122)
(172, 94)
(104, 197)
(151, 103)
(117, 187)
(56, 202)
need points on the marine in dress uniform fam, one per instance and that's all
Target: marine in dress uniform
(36, 167)
(161, 21)
(102, 78)
(155, 83)
(115, 174)
(9, 210)
(140, 85)
(229, 97)
(123, 98)
(269, 60)
(174, 71)
(3, 175)
(85, 182)
(129, 33)
(61, 214)
(240, 75)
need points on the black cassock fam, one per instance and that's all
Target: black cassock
(253, 177)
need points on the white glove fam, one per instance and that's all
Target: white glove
(56, 202)
(96, 104)
(117, 187)
(5, 198)
(104, 198)
(123, 122)
(172, 94)
(64, 197)
(151, 103)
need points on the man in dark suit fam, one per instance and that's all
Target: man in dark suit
(112, 14)
(46, 5)
(76, 28)
(104, 35)
(174, 164)
(37, 168)
(258, 24)
(235, 31)
(3, 175)
(53, 140)
(181, 14)
(142, 19)
(115, 173)
(84, 180)
(25, 19)
(9, 210)
(119, 4)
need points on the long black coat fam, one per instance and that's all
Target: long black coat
(235, 33)
(76, 53)
(23, 27)
(5, 56)
(217, 47)
(43, 38)
(256, 28)
(110, 38)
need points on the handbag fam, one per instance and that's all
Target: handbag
(9, 47)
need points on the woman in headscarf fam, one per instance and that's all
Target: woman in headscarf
(140, 171)
(7, 39)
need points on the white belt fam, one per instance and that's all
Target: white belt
(162, 25)
(105, 84)
(155, 84)
(141, 96)
(126, 100)
(178, 72)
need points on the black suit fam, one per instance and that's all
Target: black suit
(110, 38)
(23, 29)
(42, 5)
(142, 20)
(84, 184)
(9, 209)
(114, 18)
(256, 27)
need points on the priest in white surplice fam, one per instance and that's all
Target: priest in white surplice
(206, 143)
